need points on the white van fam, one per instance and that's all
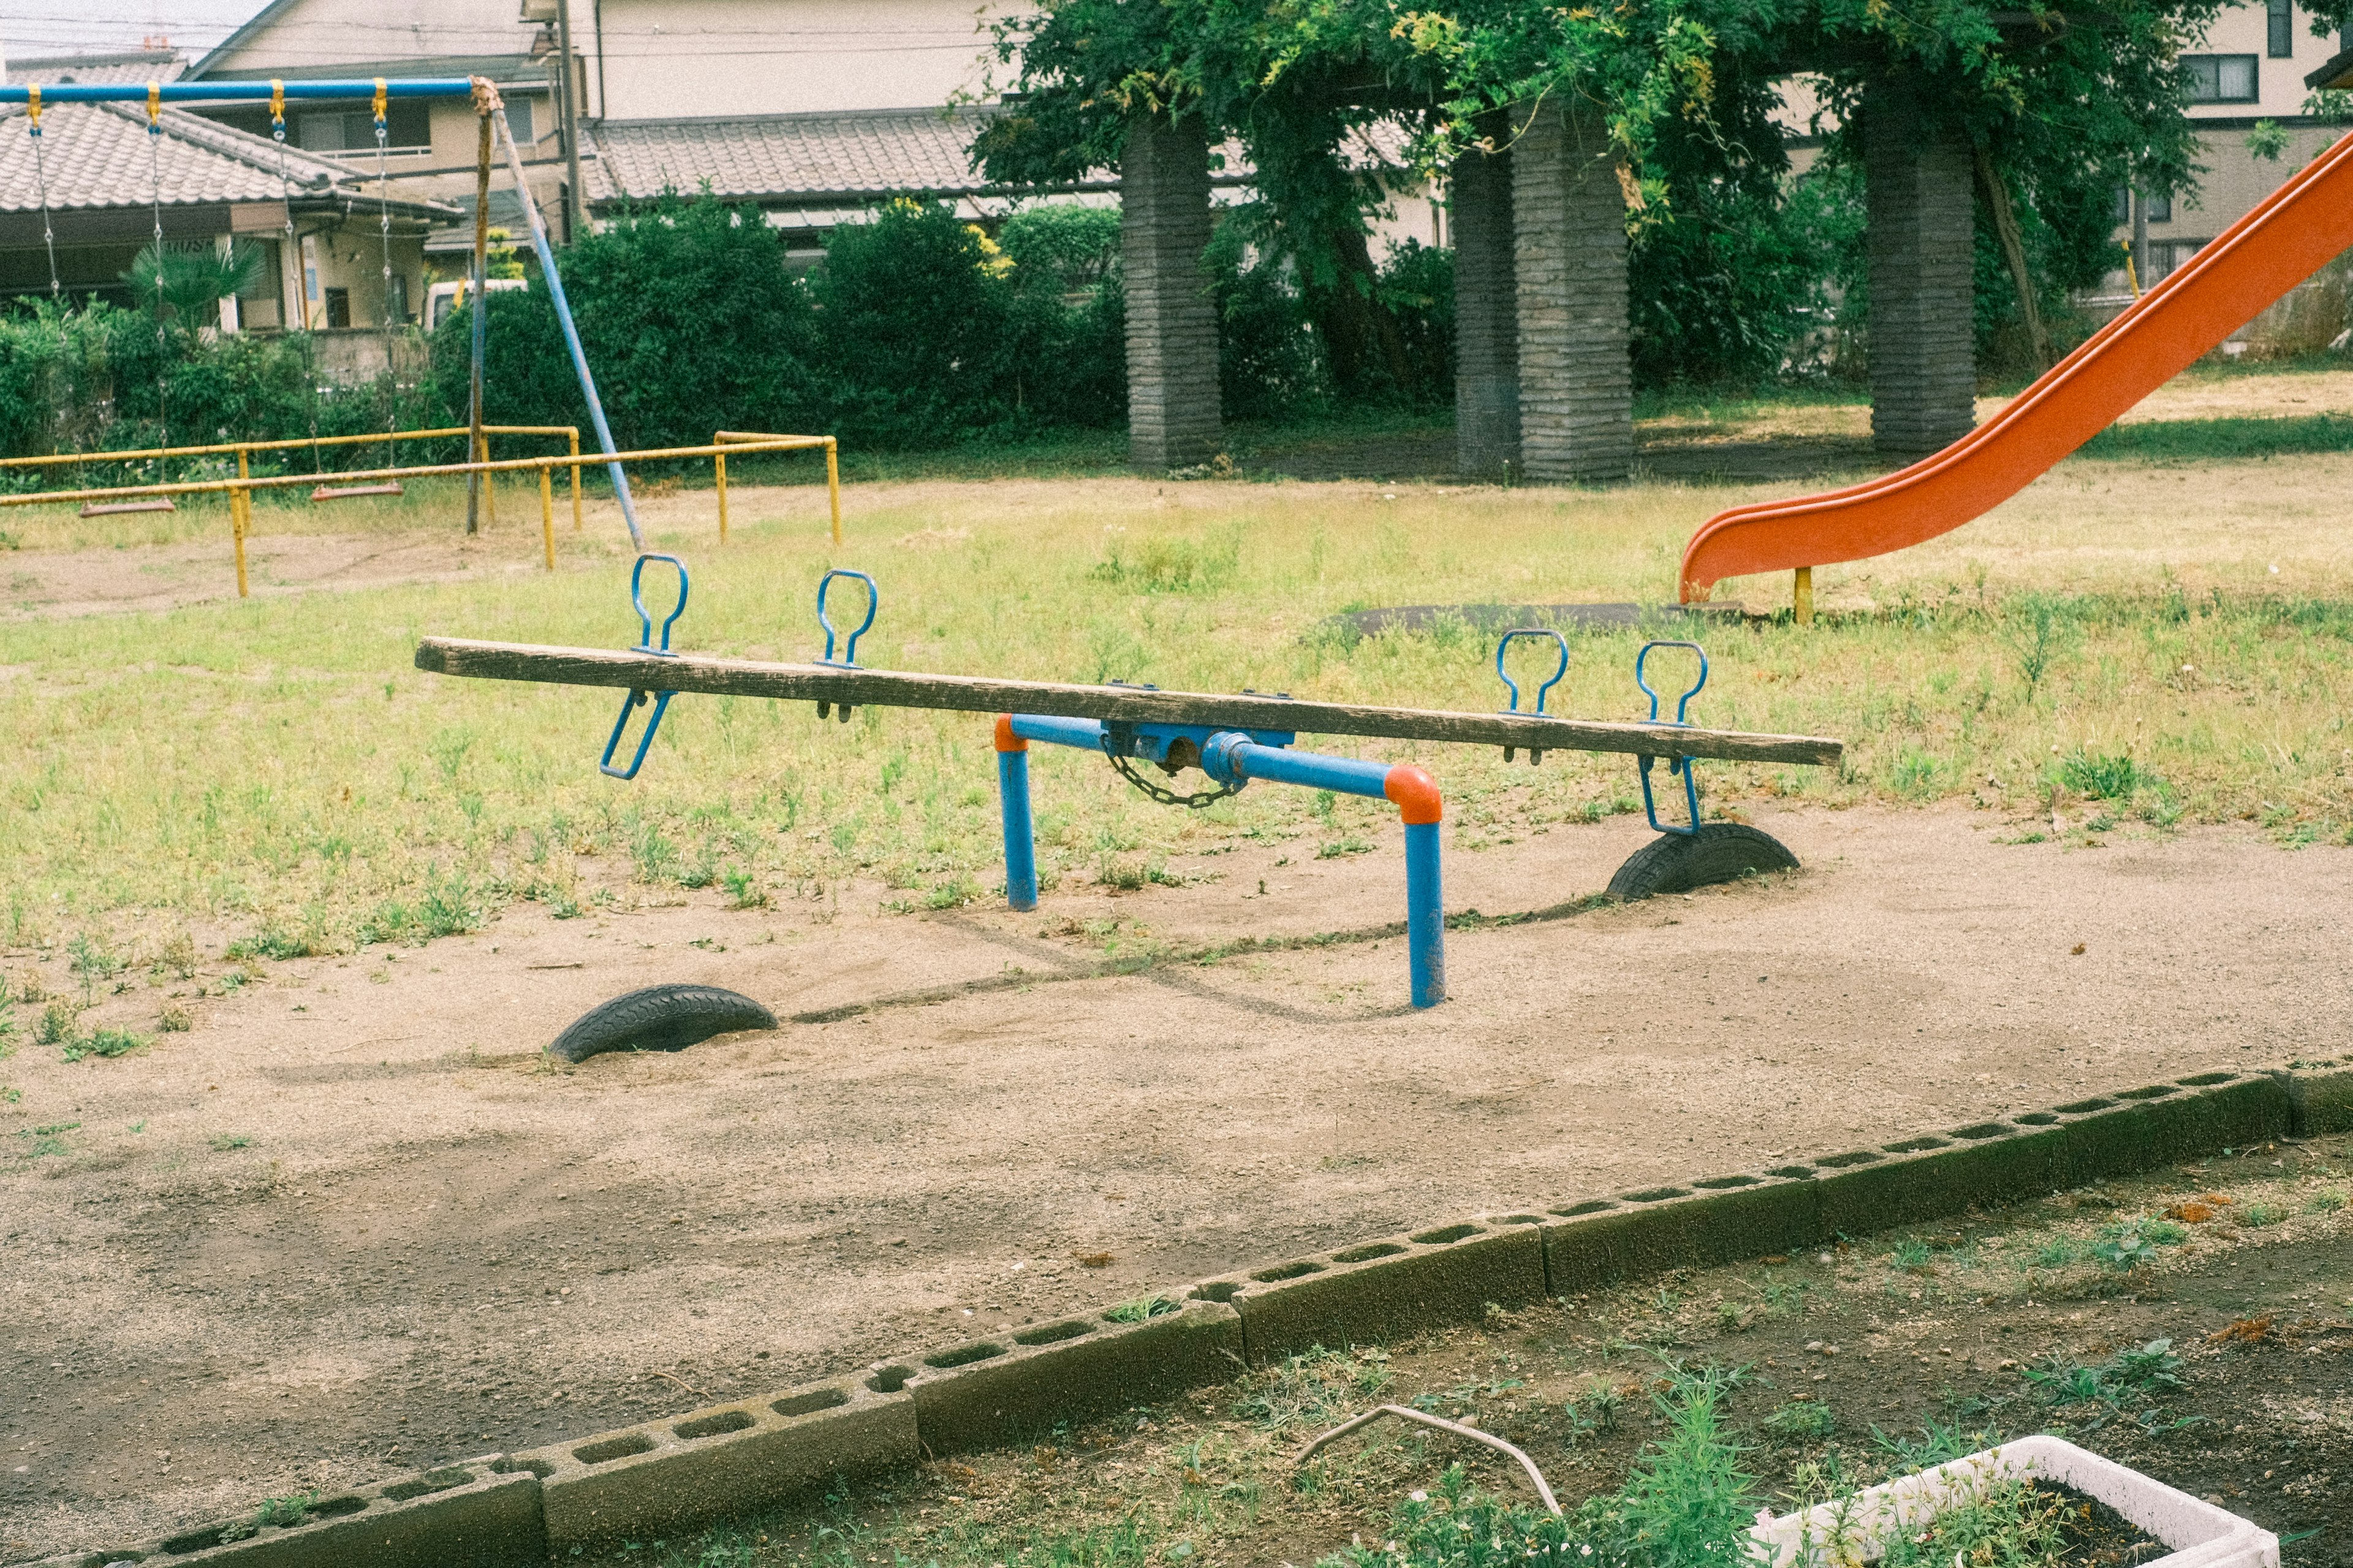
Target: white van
(444, 297)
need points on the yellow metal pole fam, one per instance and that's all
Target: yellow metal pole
(548, 514)
(833, 484)
(576, 479)
(240, 514)
(719, 468)
(1803, 605)
(489, 485)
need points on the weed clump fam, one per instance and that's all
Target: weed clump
(105, 1043)
(1318, 1385)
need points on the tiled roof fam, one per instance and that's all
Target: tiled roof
(836, 159)
(97, 155)
(805, 158)
(128, 65)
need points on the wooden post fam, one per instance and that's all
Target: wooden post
(833, 483)
(240, 515)
(1802, 604)
(719, 468)
(480, 325)
(548, 513)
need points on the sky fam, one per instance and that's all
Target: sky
(29, 28)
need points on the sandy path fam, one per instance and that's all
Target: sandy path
(430, 1246)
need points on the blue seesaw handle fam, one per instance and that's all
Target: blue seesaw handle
(1674, 764)
(1684, 704)
(1513, 686)
(849, 658)
(646, 644)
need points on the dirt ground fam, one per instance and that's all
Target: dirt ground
(350, 1223)
(2218, 1366)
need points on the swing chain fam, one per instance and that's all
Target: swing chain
(41, 181)
(155, 192)
(302, 273)
(383, 230)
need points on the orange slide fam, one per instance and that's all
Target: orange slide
(2295, 231)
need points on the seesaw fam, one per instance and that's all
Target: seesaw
(1233, 738)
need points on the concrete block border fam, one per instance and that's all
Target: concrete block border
(676, 1474)
(470, 1515)
(648, 1480)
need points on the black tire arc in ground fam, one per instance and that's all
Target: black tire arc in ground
(659, 1018)
(1678, 862)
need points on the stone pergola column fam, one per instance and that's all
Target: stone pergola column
(1173, 418)
(1486, 309)
(1568, 256)
(1918, 191)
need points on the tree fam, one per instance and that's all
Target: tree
(186, 283)
(2066, 104)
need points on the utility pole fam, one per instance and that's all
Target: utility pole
(575, 206)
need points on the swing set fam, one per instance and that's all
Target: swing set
(388, 480)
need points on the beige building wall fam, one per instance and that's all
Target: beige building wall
(2235, 178)
(669, 60)
(320, 33)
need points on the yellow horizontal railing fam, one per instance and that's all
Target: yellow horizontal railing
(240, 490)
(758, 440)
(55, 459)
(244, 452)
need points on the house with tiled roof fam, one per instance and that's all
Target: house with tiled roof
(80, 202)
(431, 143)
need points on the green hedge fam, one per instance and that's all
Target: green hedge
(919, 330)
(100, 377)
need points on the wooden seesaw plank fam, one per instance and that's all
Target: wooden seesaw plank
(977, 694)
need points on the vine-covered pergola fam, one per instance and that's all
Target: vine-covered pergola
(1559, 128)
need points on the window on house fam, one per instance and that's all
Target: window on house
(2124, 204)
(2280, 17)
(2161, 209)
(519, 120)
(339, 307)
(2220, 79)
(408, 127)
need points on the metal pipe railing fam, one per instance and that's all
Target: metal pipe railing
(236, 92)
(240, 490)
(746, 437)
(218, 449)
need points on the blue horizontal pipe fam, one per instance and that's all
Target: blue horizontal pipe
(1084, 733)
(238, 91)
(1230, 759)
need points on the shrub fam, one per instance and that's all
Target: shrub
(688, 315)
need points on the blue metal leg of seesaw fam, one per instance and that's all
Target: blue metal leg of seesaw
(1021, 835)
(1233, 759)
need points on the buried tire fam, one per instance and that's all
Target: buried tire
(1718, 852)
(659, 1018)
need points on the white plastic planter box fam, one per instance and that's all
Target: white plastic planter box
(1835, 1535)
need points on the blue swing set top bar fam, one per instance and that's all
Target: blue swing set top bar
(235, 91)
